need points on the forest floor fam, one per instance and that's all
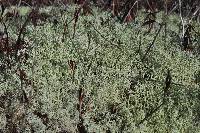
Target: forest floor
(91, 73)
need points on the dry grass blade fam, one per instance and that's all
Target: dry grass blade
(128, 16)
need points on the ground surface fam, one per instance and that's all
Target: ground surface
(99, 76)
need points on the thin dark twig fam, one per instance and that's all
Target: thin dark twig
(148, 115)
(168, 81)
(166, 93)
(152, 43)
(172, 83)
(2, 10)
(18, 42)
(105, 37)
(6, 32)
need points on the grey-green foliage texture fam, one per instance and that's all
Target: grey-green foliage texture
(119, 89)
